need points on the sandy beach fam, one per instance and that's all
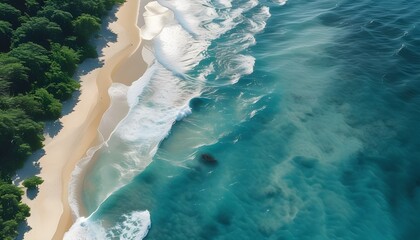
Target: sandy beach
(50, 212)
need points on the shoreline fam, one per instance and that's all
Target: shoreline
(51, 215)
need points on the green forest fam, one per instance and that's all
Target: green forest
(41, 44)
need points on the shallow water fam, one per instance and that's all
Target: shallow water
(268, 121)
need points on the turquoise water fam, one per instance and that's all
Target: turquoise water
(265, 120)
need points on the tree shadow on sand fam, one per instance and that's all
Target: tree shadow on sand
(52, 128)
(32, 193)
(30, 168)
(22, 229)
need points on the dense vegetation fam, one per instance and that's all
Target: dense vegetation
(41, 44)
(32, 182)
(12, 211)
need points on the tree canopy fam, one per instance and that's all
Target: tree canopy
(12, 211)
(5, 35)
(15, 74)
(39, 30)
(9, 13)
(32, 182)
(85, 25)
(34, 57)
(62, 18)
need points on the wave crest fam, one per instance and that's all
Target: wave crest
(134, 225)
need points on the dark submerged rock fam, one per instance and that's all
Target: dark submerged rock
(208, 159)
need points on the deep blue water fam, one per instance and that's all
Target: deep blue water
(304, 124)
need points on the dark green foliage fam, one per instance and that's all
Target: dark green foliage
(63, 91)
(66, 57)
(19, 4)
(4, 88)
(39, 106)
(8, 229)
(10, 205)
(88, 51)
(86, 25)
(11, 210)
(24, 211)
(15, 74)
(32, 6)
(79, 7)
(39, 30)
(61, 86)
(34, 57)
(9, 13)
(5, 35)
(19, 135)
(32, 182)
(108, 4)
(30, 105)
(51, 106)
(62, 18)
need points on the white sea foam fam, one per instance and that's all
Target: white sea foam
(82, 229)
(184, 112)
(137, 88)
(239, 66)
(155, 18)
(258, 21)
(232, 64)
(133, 226)
(191, 14)
(181, 55)
(225, 3)
(281, 2)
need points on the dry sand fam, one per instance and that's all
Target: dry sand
(50, 212)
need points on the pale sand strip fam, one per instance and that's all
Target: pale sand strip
(50, 213)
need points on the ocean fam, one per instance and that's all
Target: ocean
(266, 120)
